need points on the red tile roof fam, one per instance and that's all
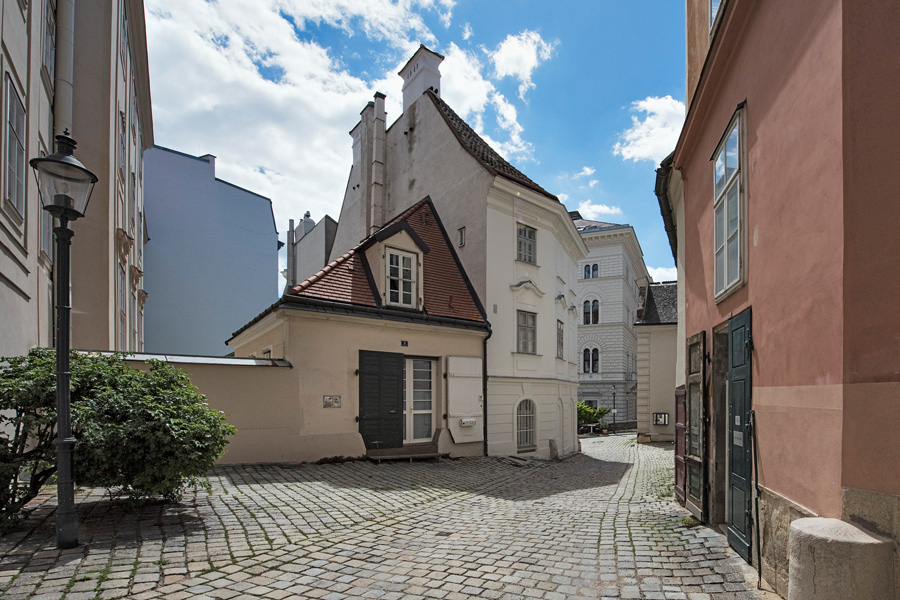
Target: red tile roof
(446, 290)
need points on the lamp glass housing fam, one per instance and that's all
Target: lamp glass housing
(65, 184)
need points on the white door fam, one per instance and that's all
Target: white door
(418, 422)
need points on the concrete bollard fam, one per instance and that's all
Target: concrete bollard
(831, 559)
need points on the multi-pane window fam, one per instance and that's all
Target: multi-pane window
(15, 149)
(525, 425)
(560, 340)
(123, 303)
(132, 200)
(47, 234)
(727, 206)
(123, 37)
(526, 332)
(591, 360)
(401, 278)
(527, 244)
(587, 271)
(48, 56)
(591, 312)
(591, 271)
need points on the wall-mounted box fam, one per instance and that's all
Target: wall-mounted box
(661, 418)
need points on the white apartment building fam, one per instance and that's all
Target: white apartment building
(80, 67)
(609, 282)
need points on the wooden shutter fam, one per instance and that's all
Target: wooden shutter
(695, 424)
(381, 399)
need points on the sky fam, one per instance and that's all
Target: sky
(583, 96)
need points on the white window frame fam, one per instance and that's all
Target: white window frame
(732, 277)
(48, 44)
(14, 151)
(409, 398)
(526, 425)
(526, 333)
(526, 243)
(413, 280)
(123, 308)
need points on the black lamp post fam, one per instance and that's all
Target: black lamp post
(65, 186)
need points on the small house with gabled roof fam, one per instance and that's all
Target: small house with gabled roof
(388, 343)
(657, 343)
(514, 239)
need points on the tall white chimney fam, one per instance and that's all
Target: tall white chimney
(421, 73)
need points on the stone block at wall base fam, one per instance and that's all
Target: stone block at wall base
(879, 513)
(775, 515)
(831, 559)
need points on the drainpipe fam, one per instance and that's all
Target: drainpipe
(484, 387)
(65, 66)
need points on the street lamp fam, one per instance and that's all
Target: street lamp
(65, 187)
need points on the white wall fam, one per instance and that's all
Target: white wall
(211, 264)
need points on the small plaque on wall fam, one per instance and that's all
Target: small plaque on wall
(660, 418)
(331, 401)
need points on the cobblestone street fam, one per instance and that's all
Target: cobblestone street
(599, 524)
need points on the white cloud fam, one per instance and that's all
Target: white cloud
(654, 137)
(585, 172)
(519, 55)
(563, 198)
(663, 273)
(593, 182)
(467, 31)
(593, 212)
(243, 81)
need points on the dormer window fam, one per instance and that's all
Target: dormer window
(401, 278)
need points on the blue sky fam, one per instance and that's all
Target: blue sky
(584, 97)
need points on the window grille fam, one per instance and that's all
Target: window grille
(525, 426)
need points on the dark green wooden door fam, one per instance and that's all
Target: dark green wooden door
(740, 497)
(381, 399)
(695, 427)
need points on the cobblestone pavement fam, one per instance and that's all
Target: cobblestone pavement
(598, 524)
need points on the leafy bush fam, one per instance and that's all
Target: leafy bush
(588, 414)
(145, 432)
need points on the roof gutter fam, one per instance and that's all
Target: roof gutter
(663, 177)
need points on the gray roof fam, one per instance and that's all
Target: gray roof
(480, 150)
(582, 224)
(661, 304)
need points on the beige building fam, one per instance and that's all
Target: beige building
(387, 348)
(609, 280)
(514, 239)
(657, 344)
(80, 67)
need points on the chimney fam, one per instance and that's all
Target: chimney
(290, 274)
(376, 189)
(308, 223)
(421, 73)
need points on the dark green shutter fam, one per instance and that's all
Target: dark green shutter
(739, 436)
(381, 399)
(695, 426)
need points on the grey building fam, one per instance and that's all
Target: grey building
(211, 262)
(608, 287)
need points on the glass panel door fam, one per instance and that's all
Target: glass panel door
(418, 422)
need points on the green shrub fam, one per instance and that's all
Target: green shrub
(147, 433)
(588, 414)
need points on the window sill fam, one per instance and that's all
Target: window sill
(528, 354)
(525, 262)
(526, 450)
(15, 217)
(731, 290)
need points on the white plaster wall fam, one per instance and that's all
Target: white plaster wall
(657, 346)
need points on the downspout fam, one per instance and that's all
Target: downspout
(484, 387)
(63, 86)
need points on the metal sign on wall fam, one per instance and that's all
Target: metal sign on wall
(331, 401)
